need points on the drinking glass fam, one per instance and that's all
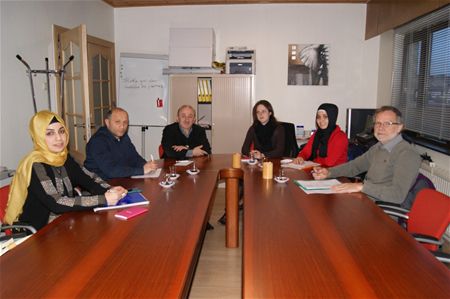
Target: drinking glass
(252, 157)
(172, 171)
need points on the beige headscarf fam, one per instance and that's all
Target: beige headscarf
(19, 187)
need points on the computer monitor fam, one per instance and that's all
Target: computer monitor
(359, 121)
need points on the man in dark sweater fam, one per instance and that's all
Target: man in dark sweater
(110, 153)
(184, 138)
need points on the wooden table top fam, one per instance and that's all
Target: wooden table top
(86, 254)
(294, 246)
(297, 246)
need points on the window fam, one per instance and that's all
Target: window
(421, 79)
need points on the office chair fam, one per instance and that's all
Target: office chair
(421, 182)
(290, 140)
(16, 230)
(161, 151)
(427, 220)
(4, 191)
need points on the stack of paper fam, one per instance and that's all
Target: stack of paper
(183, 162)
(317, 187)
(152, 174)
(306, 164)
(9, 244)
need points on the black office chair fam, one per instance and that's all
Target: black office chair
(290, 141)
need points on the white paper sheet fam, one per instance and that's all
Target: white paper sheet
(183, 162)
(151, 174)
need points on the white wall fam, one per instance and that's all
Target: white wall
(26, 29)
(267, 28)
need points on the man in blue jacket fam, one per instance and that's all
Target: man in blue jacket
(110, 153)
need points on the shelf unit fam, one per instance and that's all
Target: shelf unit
(223, 103)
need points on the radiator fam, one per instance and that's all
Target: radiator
(438, 175)
(441, 180)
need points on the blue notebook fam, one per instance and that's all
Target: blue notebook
(130, 200)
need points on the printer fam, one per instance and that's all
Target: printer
(240, 60)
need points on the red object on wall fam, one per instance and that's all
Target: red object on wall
(159, 103)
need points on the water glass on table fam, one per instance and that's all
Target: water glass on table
(172, 171)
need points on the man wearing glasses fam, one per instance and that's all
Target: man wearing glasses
(392, 164)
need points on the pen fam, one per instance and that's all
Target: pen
(151, 158)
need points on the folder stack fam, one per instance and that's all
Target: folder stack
(204, 88)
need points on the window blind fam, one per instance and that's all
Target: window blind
(421, 74)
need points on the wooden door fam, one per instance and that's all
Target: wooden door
(75, 107)
(101, 80)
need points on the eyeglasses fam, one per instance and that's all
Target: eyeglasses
(385, 124)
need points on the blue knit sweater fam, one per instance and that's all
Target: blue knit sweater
(110, 157)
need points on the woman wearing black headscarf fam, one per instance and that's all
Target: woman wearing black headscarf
(329, 145)
(265, 138)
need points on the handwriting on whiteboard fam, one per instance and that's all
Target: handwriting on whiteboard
(142, 83)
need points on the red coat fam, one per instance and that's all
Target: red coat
(337, 149)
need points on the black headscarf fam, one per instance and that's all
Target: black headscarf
(264, 135)
(323, 135)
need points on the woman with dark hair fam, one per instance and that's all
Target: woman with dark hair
(265, 138)
(329, 145)
(44, 184)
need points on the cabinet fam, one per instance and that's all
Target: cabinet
(226, 113)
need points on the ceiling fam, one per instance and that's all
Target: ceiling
(134, 3)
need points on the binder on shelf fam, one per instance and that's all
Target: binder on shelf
(201, 95)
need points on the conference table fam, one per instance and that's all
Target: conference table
(329, 246)
(294, 245)
(87, 254)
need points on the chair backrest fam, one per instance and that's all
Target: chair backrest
(161, 151)
(4, 191)
(422, 182)
(290, 140)
(430, 215)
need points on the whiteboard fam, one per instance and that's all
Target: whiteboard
(143, 89)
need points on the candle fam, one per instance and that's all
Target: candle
(236, 160)
(267, 170)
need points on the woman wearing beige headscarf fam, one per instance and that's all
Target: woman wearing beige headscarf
(43, 185)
